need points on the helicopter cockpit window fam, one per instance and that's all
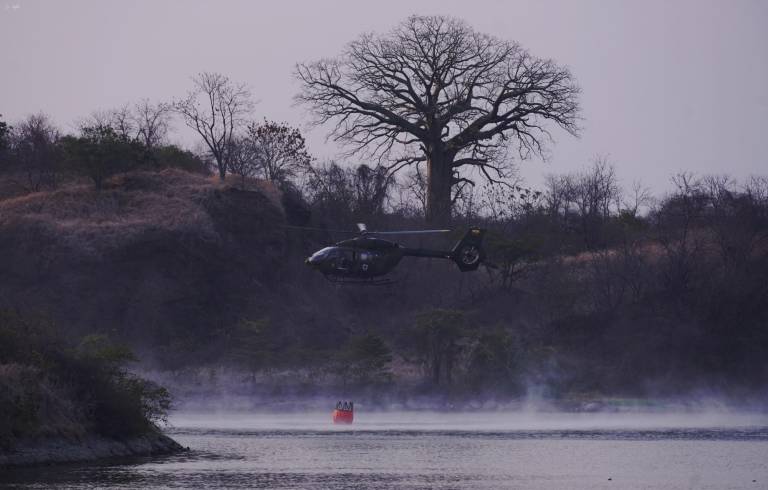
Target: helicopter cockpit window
(343, 259)
(321, 254)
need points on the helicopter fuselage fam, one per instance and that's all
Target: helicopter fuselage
(364, 257)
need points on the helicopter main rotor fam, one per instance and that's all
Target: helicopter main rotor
(363, 230)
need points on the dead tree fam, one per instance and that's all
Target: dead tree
(434, 92)
(216, 108)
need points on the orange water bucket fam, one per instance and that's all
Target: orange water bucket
(344, 413)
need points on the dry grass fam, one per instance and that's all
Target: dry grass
(269, 189)
(130, 205)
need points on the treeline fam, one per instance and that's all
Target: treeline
(136, 137)
(36, 155)
(592, 288)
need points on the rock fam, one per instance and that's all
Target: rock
(50, 451)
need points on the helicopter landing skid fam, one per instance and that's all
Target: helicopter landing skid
(341, 281)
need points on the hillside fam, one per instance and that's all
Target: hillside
(167, 254)
(205, 283)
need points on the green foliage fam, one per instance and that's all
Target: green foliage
(119, 402)
(631, 221)
(4, 132)
(99, 349)
(171, 156)
(100, 152)
(509, 254)
(437, 334)
(19, 402)
(47, 382)
(495, 363)
(366, 360)
(123, 404)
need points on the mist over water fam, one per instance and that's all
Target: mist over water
(511, 423)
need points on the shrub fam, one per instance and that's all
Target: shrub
(47, 385)
(100, 153)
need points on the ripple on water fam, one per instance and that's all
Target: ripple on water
(290, 453)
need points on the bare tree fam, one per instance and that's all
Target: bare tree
(415, 184)
(243, 158)
(118, 120)
(677, 219)
(280, 149)
(371, 189)
(433, 91)
(594, 192)
(145, 122)
(35, 147)
(331, 193)
(121, 120)
(558, 196)
(151, 122)
(640, 196)
(216, 108)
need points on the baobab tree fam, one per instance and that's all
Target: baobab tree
(435, 92)
(216, 108)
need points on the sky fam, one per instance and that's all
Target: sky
(667, 86)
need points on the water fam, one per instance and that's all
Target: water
(426, 450)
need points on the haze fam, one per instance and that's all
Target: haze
(667, 86)
(497, 422)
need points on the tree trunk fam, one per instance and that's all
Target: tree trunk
(222, 169)
(439, 177)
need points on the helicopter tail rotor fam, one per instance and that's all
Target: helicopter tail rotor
(468, 253)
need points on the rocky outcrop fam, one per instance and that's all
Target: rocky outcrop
(51, 451)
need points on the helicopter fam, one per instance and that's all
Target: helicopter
(365, 258)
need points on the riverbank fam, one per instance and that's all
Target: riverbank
(68, 400)
(90, 448)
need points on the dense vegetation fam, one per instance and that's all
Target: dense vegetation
(52, 387)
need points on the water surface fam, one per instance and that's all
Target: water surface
(426, 450)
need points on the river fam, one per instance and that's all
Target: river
(420, 450)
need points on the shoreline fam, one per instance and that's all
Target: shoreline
(92, 448)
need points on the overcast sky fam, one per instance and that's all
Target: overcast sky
(667, 85)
